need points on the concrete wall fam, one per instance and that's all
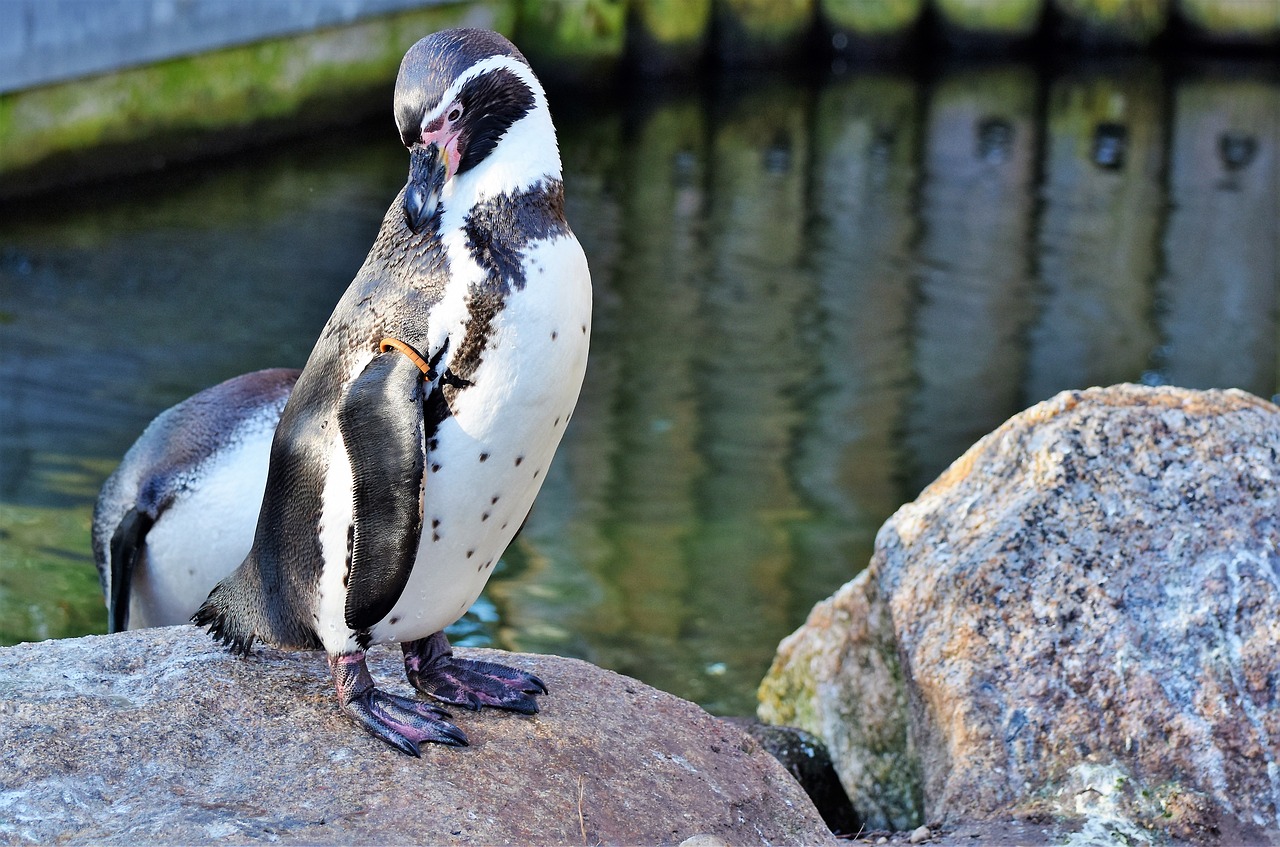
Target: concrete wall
(44, 41)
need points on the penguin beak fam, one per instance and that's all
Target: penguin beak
(428, 172)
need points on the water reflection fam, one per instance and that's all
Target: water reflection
(972, 263)
(809, 299)
(1102, 212)
(1220, 251)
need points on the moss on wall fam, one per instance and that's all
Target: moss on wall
(223, 91)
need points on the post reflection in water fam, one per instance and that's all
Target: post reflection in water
(972, 261)
(1097, 247)
(1218, 289)
(809, 300)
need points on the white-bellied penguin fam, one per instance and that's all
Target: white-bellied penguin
(179, 512)
(422, 426)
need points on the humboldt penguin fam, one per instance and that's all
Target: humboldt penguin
(423, 423)
(179, 512)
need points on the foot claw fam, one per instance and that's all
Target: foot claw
(433, 669)
(402, 722)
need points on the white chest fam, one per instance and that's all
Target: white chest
(490, 456)
(206, 531)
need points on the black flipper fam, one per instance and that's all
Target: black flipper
(126, 548)
(381, 420)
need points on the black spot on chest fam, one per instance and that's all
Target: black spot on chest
(499, 229)
(498, 232)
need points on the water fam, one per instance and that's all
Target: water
(810, 298)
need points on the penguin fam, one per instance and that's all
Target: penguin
(179, 512)
(421, 428)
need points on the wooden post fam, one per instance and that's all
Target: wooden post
(869, 27)
(667, 36)
(1231, 22)
(758, 32)
(988, 24)
(576, 41)
(1112, 24)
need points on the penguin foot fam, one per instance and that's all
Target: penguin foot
(402, 722)
(431, 667)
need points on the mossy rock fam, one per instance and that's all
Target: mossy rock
(839, 677)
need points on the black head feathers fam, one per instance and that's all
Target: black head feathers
(433, 64)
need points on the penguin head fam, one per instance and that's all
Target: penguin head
(474, 117)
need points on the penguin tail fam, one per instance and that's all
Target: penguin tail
(241, 610)
(218, 614)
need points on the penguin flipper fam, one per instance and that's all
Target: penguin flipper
(382, 425)
(126, 549)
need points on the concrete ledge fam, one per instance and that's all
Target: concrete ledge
(43, 42)
(194, 105)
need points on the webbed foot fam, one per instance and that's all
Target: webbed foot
(402, 722)
(432, 668)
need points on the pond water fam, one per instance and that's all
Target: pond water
(811, 296)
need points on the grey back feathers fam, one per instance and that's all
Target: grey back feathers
(166, 462)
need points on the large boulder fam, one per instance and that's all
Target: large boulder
(1079, 621)
(159, 736)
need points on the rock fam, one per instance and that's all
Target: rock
(160, 736)
(838, 677)
(704, 840)
(806, 758)
(920, 834)
(1083, 614)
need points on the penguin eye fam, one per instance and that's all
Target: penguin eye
(455, 113)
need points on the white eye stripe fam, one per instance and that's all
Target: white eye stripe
(520, 69)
